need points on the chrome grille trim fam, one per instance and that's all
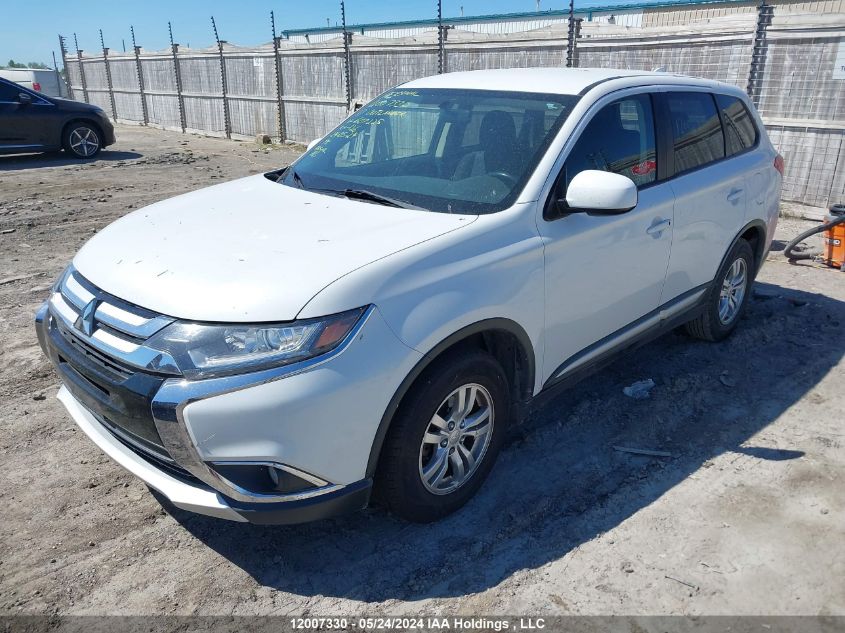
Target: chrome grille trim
(134, 322)
(119, 329)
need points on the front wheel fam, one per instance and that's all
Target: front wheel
(727, 298)
(445, 438)
(82, 140)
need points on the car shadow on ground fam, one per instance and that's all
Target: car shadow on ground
(559, 482)
(16, 162)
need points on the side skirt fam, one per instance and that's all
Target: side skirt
(601, 353)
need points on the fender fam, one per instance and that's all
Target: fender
(485, 325)
(761, 246)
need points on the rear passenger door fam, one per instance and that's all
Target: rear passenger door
(710, 191)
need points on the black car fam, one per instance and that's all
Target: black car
(33, 122)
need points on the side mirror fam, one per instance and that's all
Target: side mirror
(313, 143)
(601, 193)
(24, 98)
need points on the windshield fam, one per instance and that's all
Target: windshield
(453, 151)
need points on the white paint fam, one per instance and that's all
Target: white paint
(255, 250)
(601, 190)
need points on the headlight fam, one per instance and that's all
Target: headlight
(204, 351)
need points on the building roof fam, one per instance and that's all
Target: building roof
(608, 8)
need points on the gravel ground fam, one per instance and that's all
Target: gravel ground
(747, 516)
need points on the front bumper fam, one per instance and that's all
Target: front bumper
(205, 500)
(109, 137)
(315, 419)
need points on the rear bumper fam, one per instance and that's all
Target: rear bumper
(204, 500)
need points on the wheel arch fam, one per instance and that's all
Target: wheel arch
(504, 338)
(77, 118)
(755, 234)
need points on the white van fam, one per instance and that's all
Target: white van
(46, 82)
(378, 313)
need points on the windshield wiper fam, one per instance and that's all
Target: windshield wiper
(297, 179)
(363, 194)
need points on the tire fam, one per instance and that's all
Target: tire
(721, 314)
(82, 140)
(407, 457)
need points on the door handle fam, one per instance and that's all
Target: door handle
(735, 195)
(658, 227)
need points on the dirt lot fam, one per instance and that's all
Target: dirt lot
(746, 517)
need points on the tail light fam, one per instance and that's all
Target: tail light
(779, 164)
(36, 86)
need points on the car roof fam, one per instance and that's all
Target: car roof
(565, 81)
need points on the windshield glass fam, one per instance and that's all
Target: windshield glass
(453, 151)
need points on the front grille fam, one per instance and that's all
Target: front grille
(95, 356)
(158, 457)
(97, 343)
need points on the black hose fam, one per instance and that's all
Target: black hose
(807, 252)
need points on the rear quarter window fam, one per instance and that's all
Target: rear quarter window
(740, 132)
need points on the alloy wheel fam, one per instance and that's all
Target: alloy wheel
(84, 141)
(733, 291)
(456, 439)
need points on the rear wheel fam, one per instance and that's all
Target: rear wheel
(445, 438)
(727, 299)
(82, 140)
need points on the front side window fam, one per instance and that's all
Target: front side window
(740, 133)
(452, 151)
(696, 129)
(619, 138)
(9, 92)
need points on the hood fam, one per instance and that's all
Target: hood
(247, 250)
(75, 106)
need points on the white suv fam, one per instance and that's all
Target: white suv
(379, 313)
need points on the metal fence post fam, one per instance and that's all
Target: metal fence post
(347, 56)
(81, 69)
(440, 39)
(108, 76)
(140, 72)
(578, 22)
(227, 123)
(278, 66)
(63, 49)
(765, 11)
(174, 48)
(570, 36)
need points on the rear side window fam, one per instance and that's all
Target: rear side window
(740, 133)
(696, 129)
(619, 138)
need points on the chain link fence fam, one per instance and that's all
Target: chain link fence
(788, 63)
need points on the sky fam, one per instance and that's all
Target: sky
(32, 35)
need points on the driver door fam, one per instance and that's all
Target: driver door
(20, 123)
(605, 272)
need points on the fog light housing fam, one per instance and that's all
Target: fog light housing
(263, 478)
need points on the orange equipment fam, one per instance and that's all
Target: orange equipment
(833, 252)
(834, 237)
